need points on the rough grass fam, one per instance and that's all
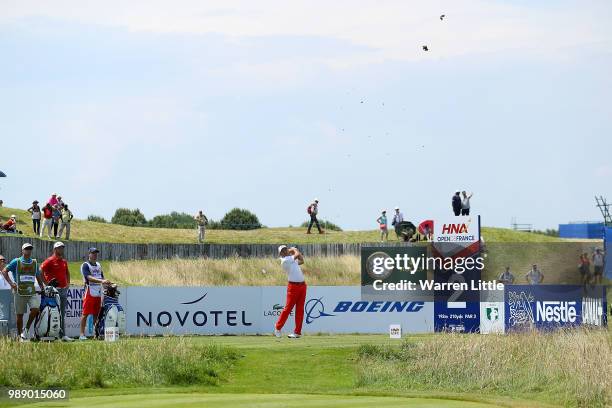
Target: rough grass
(174, 361)
(571, 368)
(342, 270)
(99, 232)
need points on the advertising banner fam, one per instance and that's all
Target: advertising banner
(492, 317)
(340, 309)
(553, 306)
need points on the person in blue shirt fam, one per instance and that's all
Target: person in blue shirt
(382, 224)
(26, 273)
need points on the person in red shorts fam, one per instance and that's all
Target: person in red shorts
(291, 259)
(93, 278)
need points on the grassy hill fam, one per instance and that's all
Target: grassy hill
(93, 231)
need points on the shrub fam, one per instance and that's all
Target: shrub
(131, 218)
(240, 219)
(173, 220)
(327, 225)
(96, 218)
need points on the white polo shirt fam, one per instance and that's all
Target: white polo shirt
(292, 269)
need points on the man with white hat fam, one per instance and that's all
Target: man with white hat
(397, 218)
(55, 268)
(291, 259)
(26, 273)
(313, 210)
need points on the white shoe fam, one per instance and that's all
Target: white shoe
(82, 337)
(23, 337)
(294, 336)
(278, 333)
(66, 338)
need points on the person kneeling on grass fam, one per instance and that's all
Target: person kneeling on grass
(291, 259)
(93, 279)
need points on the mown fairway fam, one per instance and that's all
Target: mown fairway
(327, 371)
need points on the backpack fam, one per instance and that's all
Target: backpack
(309, 209)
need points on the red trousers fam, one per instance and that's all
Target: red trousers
(296, 296)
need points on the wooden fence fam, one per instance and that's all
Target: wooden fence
(10, 247)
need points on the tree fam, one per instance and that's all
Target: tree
(173, 220)
(96, 218)
(240, 219)
(131, 218)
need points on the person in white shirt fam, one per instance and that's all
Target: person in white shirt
(534, 276)
(598, 266)
(465, 203)
(3, 283)
(397, 218)
(291, 259)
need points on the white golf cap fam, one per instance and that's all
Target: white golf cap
(58, 244)
(13, 216)
(26, 246)
(280, 248)
(397, 208)
(316, 199)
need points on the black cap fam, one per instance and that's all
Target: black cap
(93, 250)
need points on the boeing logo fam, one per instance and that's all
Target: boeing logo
(315, 308)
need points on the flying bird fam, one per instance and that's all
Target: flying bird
(425, 48)
(442, 17)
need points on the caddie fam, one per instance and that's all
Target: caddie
(93, 277)
(26, 273)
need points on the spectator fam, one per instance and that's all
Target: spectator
(66, 217)
(382, 224)
(465, 203)
(1, 203)
(60, 202)
(56, 215)
(53, 200)
(26, 273)
(313, 210)
(56, 267)
(457, 203)
(598, 266)
(47, 220)
(36, 215)
(534, 276)
(3, 282)
(10, 225)
(202, 222)
(93, 277)
(584, 266)
(398, 217)
(506, 277)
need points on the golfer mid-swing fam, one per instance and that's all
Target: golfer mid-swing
(291, 259)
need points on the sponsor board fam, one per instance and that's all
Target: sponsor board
(553, 306)
(492, 317)
(340, 309)
(458, 230)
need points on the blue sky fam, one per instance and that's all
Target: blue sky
(216, 105)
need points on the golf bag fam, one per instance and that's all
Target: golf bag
(47, 323)
(111, 313)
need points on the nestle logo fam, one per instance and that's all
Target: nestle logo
(556, 311)
(454, 229)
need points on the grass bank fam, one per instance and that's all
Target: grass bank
(83, 230)
(569, 368)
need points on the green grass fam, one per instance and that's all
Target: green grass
(99, 232)
(441, 370)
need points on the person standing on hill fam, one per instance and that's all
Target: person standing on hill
(202, 221)
(584, 266)
(398, 218)
(53, 200)
(313, 210)
(506, 277)
(291, 259)
(65, 218)
(456, 203)
(56, 268)
(465, 203)
(382, 224)
(36, 215)
(56, 215)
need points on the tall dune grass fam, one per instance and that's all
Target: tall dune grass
(571, 368)
(342, 270)
(174, 361)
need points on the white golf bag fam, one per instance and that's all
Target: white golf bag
(111, 312)
(47, 324)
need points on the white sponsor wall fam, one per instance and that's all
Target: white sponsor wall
(251, 310)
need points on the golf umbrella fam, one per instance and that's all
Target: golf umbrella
(426, 227)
